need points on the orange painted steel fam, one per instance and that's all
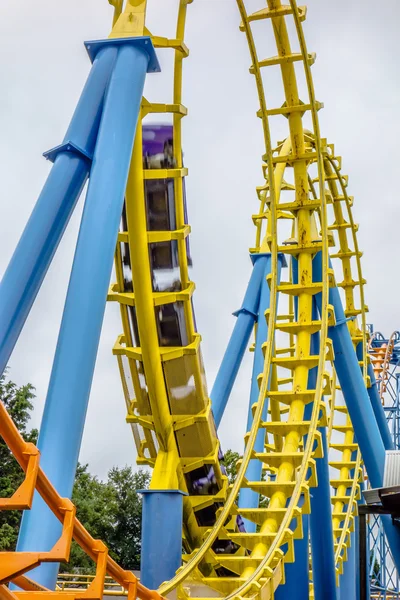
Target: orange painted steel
(380, 360)
(13, 565)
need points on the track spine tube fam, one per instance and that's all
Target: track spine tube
(247, 497)
(247, 316)
(358, 404)
(66, 404)
(54, 207)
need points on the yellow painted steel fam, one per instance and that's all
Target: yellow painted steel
(274, 530)
(346, 496)
(174, 438)
(156, 422)
(177, 437)
(165, 471)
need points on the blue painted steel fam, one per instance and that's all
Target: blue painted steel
(358, 404)
(379, 412)
(347, 581)
(323, 557)
(322, 550)
(296, 586)
(71, 378)
(44, 230)
(143, 43)
(246, 317)
(247, 497)
(162, 520)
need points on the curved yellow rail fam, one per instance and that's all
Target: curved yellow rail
(259, 561)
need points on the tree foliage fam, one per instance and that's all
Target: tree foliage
(110, 510)
(230, 463)
(17, 401)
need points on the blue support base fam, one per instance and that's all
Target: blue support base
(161, 554)
(45, 228)
(66, 404)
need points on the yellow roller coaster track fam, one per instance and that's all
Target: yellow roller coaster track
(175, 443)
(260, 564)
(304, 189)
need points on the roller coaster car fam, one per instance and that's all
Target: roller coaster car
(171, 325)
(184, 375)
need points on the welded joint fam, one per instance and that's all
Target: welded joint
(246, 311)
(343, 321)
(67, 147)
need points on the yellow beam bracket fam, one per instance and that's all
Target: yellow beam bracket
(130, 22)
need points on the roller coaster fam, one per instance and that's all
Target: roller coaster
(318, 427)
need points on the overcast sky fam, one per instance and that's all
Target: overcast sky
(43, 67)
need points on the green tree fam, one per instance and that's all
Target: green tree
(17, 401)
(110, 511)
(230, 463)
(93, 500)
(125, 537)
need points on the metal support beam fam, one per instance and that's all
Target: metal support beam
(54, 207)
(297, 585)
(66, 404)
(322, 550)
(247, 315)
(348, 579)
(379, 413)
(161, 554)
(247, 497)
(357, 400)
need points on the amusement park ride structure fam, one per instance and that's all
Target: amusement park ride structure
(316, 420)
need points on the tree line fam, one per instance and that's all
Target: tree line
(110, 510)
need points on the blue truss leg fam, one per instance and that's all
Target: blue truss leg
(379, 413)
(357, 400)
(247, 497)
(246, 317)
(71, 378)
(296, 586)
(322, 550)
(39, 241)
(348, 579)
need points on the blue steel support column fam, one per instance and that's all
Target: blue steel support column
(66, 404)
(162, 518)
(246, 317)
(321, 530)
(296, 586)
(379, 412)
(44, 230)
(297, 583)
(247, 497)
(348, 579)
(357, 400)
